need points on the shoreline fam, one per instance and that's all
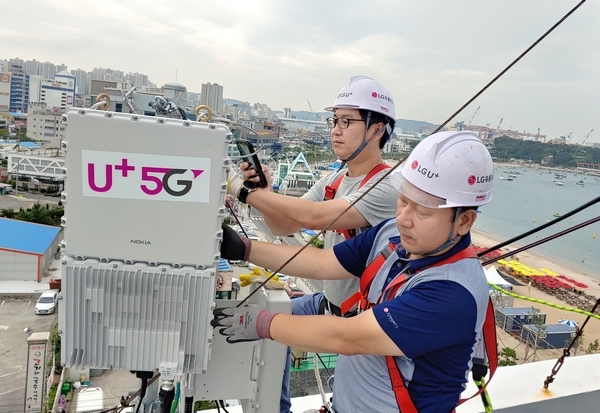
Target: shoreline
(553, 315)
(495, 240)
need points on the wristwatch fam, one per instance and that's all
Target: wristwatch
(246, 188)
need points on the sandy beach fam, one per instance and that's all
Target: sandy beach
(530, 258)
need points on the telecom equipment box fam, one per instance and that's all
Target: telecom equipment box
(144, 202)
(144, 189)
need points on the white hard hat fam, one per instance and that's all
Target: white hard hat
(447, 169)
(362, 92)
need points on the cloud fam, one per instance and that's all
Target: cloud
(433, 56)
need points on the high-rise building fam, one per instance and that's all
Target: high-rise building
(18, 102)
(82, 81)
(4, 91)
(212, 96)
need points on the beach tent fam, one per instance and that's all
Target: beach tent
(494, 278)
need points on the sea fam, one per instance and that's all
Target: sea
(531, 199)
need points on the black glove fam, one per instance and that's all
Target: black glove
(249, 323)
(234, 246)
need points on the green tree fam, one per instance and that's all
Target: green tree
(8, 213)
(507, 357)
(593, 347)
(204, 405)
(41, 215)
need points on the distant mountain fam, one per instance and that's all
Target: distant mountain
(406, 125)
(415, 126)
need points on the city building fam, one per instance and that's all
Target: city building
(18, 101)
(212, 96)
(28, 252)
(4, 91)
(58, 94)
(44, 124)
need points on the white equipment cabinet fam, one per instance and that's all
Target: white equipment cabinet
(144, 201)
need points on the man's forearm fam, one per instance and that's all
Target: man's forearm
(314, 263)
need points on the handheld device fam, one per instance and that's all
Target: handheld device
(248, 155)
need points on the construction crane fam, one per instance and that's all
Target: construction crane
(498, 128)
(309, 106)
(461, 125)
(473, 115)
(582, 141)
(311, 110)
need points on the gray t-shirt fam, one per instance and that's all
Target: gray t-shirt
(377, 206)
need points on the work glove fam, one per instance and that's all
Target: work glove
(259, 275)
(234, 246)
(234, 182)
(249, 323)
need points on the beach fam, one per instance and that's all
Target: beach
(530, 258)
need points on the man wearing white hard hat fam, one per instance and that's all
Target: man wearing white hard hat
(423, 303)
(363, 120)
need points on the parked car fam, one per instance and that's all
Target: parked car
(46, 304)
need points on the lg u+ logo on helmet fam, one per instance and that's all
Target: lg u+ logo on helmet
(376, 95)
(472, 179)
(423, 171)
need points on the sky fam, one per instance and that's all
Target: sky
(433, 55)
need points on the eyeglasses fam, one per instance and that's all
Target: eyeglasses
(343, 123)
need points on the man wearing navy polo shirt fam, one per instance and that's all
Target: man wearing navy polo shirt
(423, 309)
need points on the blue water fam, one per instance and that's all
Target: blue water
(530, 200)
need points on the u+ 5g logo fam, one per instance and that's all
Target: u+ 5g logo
(149, 177)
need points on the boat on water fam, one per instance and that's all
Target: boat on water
(580, 182)
(556, 214)
(560, 183)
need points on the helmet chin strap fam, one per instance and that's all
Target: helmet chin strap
(451, 241)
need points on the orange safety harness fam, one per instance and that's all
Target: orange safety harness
(330, 191)
(359, 299)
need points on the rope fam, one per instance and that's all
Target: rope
(544, 302)
(318, 379)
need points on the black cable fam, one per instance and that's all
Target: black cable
(144, 376)
(236, 218)
(166, 396)
(217, 404)
(222, 403)
(182, 113)
(541, 227)
(393, 168)
(549, 238)
(509, 66)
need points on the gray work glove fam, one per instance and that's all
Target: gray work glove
(241, 324)
(234, 246)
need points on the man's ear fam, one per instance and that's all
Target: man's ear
(379, 131)
(466, 219)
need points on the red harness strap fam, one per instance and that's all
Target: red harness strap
(330, 191)
(405, 403)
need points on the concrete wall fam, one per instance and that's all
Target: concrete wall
(18, 266)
